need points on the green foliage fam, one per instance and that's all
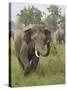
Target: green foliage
(30, 15)
(54, 10)
(62, 22)
(51, 23)
(50, 70)
(53, 18)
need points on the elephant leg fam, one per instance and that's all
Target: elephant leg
(20, 63)
(34, 62)
(59, 41)
(17, 55)
(63, 40)
(26, 64)
(24, 58)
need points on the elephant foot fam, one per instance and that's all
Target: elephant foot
(26, 70)
(26, 73)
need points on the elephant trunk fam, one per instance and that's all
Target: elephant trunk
(48, 50)
(45, 50)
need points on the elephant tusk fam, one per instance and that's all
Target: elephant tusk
(36, 53)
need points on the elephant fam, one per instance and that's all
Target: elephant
(60, 36)
(30, 44)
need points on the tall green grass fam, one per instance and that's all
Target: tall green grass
(50, 69)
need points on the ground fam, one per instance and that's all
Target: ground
(50, 69)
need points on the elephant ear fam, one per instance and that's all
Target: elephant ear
(48, 35)
(27, 35)
(47, 32)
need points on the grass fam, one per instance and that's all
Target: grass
(50, 69)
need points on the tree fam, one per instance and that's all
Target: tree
(30, 15)
(50, 23)
(62, 22)
(52, 19)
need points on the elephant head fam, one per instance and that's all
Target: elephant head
(41, 39)
(42, 42)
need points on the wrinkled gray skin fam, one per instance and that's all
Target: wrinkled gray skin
(30, 44)
(60, 36)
